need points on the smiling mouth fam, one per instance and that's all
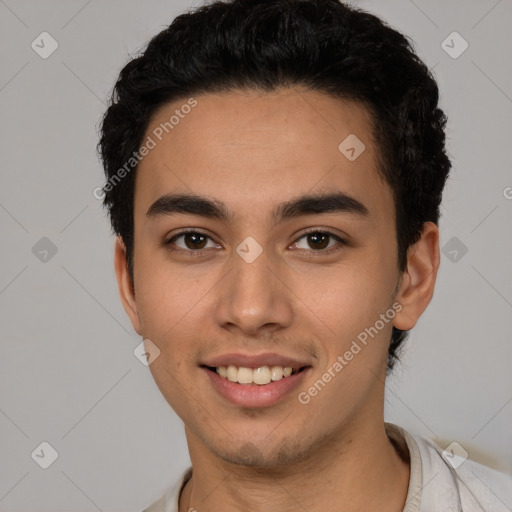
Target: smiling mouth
(259, 376)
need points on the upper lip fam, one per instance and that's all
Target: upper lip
(254, 361)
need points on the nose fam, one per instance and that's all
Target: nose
(254, 298)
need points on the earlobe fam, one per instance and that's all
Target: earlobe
(125, 285)
(418, 280)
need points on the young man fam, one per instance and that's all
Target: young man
(274, 175)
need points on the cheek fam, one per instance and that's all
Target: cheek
(173, 302)
(354, 345)
(348, 303)
(166, 294)
(344, 299)
(173, 388)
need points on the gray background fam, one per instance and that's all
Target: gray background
(68, 375)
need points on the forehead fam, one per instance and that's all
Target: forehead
(249, 147)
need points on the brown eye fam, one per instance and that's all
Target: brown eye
(319, 241)
(189, 241)
(194, 240)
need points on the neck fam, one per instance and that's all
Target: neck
(358, 470)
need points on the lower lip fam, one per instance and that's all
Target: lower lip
(255, 395)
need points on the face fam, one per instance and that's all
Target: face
(261, 245)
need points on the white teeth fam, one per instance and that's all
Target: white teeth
(261, 376)
(244, 375)
(277, 372)
(232, 373)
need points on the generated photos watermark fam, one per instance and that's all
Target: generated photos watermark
(304, 397)
(150, 143)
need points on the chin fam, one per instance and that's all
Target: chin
(263, 455)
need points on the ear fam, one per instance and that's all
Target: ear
(417, 284)
(124, 284)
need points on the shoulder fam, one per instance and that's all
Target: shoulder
(449, 476)
(170, 500)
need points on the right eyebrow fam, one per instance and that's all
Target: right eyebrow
(189, 203)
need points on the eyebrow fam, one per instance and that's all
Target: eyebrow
(340, 202)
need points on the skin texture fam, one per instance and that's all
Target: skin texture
(252, 151)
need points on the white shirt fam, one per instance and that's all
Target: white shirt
(437, 483)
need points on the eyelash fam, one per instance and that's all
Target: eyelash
(199, 252)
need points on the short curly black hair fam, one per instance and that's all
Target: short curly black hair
(322, 45)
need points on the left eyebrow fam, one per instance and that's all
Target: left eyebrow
(319, 203)
(303, 205)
